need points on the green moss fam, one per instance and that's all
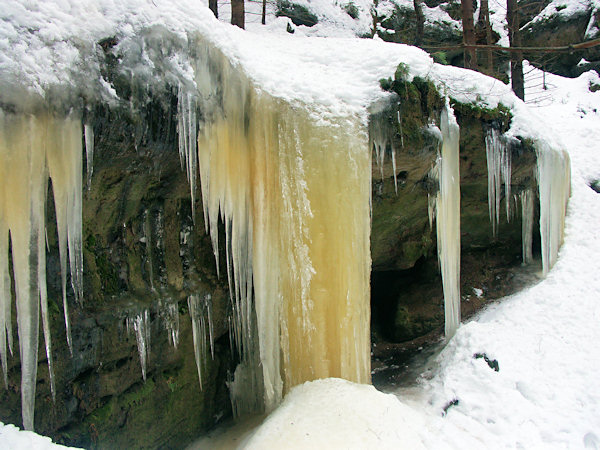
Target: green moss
(500, 115)
(136, 395)
(108, 274)
(103, 414)
(402, 72)
(300, 15)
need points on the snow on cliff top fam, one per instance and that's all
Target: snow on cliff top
(52, 45)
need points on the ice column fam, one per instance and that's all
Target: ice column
(31, 149)
(526, 198)
(293, 195)
(187, 135)
(554, 185)
(448, 219)
(499, 171)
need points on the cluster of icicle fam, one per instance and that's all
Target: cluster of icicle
(499, 171)
(445, 207)
(200, 310)
(202, 326)
(293, 196)
(381, 130)
(553, 175)
(34, 148)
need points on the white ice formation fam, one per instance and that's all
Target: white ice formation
(447, 216)
(499, 171)
(554, 188)
(36, 148)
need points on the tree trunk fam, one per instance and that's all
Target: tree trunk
(212, 4)
(238, 13)
(484, 20)
(420, 22)
(469, 33)
(263, 18)
(516, 58)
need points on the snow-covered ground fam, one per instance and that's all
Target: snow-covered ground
(546, 393)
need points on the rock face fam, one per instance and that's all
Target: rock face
(145, 254)
(560, 30)
(407, 298)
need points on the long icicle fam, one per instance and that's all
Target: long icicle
(448, 220)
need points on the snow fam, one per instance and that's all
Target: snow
(546, 393)
(335, 413)
(13, 438)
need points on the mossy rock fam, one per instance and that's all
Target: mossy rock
(299, 14)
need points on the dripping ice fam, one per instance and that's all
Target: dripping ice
(554, 188)
(200, 308)
(499, 166)
(268, 181)
(140, 325)
(36, 148)
(526, 198)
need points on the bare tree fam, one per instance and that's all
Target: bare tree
(484, 23)
(516, 57)
(469, 34)
(263, 18)
(212, 4)
(418, 4)
(238, 13)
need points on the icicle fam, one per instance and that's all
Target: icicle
(448, 219)
(88, 132)
(200, 313)
(395, 170)
(5, 286)
(272, 176)
(431, 201)
(526, 198)
(187, 139)
(499, 170)
(33, 148)
(554, 185)
(140, 324)
(148, 244)
(169, 312)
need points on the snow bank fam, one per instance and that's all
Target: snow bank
(335, 413)
(13, 438)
